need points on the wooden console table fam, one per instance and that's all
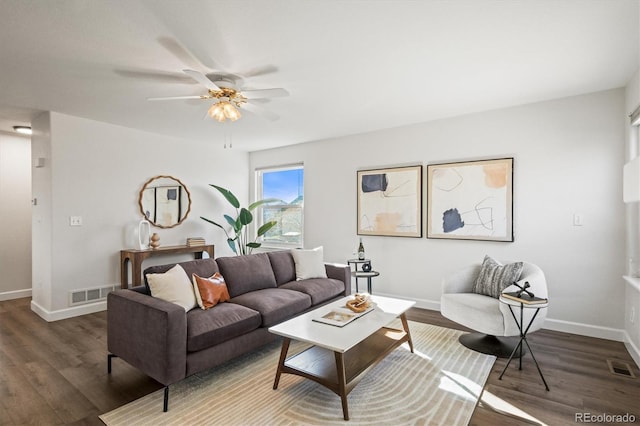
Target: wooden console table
(137, 256)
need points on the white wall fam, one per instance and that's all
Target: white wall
(15, 216)
(95, 170)
(632, 284)
(568, 156)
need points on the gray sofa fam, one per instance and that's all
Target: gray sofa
(169, 344)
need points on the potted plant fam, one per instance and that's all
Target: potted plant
(238, 237)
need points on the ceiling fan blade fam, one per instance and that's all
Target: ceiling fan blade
(171, 98)
(263, 70)
(264, 93)
(257, 110)
(155, 75)
(202, 79)
(180, 52)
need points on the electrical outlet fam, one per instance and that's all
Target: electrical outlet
(75, 220)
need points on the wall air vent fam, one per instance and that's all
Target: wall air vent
(89, 295)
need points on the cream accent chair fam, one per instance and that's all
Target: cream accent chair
(487, 315)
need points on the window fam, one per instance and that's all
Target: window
(285, 184)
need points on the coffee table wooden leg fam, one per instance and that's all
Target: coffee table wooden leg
(283, 357)
(405, 325)
(342, 384)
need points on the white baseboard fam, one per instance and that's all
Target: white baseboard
(549, 324)
(584, 329)
(61, 314)
(16, 294)
(634, 351)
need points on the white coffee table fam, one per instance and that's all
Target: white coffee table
(341, 356)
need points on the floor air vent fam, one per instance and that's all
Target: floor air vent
(620, 368)
(89, 295)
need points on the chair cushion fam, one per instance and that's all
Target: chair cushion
(319, 289)
(274, 304)
(206, 328)
(476, 311)
(283, 266)
(495, 277)
(202, 267)
(246, 273)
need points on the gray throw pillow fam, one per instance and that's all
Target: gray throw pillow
(495, 277)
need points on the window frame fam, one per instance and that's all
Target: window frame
(258, 182)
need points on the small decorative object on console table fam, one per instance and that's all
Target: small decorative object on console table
(144, 233)
(195, 241)
(136, 257)
(155, 241)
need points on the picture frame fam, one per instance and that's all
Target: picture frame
(471, 200)
(390, 201)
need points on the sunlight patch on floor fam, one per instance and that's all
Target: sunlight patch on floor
(501, 406)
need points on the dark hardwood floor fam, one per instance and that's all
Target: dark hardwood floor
(55, 373)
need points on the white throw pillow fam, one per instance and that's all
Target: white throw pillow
(173, 286)
(309, 263)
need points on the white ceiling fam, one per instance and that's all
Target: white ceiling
(349, 66)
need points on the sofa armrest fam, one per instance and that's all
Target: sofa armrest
(339, 271)
(461, 281)
(148, 333)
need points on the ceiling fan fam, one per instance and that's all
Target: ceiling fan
(225, 89)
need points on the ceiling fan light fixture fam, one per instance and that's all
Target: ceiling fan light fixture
(222, 110)
(216, 112)
(231, 112)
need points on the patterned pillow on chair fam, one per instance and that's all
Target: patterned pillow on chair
(495, 277)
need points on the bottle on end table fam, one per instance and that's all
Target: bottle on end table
(360, 251)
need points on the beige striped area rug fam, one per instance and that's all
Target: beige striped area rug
(439, 384)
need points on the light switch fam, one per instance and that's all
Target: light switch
(577, 219)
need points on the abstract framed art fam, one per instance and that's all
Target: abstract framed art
(390, 202)
(471, 200)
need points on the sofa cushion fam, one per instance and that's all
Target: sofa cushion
(274, 304)
(201, 267)
(206, 328)
(319, 289)
(173, 286)
(309, 263)
(210, 291)
(495, 277)
(246, 273)
(283, 266)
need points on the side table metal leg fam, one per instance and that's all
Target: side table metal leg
(537, 366)
(518, 347)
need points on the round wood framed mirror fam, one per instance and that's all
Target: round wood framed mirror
(164, 201)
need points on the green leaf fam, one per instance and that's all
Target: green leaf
(266, 227)
(212, 222)
(254, 245)
(230, 221)
(228, 195)
(252, 206)
(232, 244)
(245, 216)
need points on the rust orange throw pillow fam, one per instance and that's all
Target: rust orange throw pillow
(210, 291)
